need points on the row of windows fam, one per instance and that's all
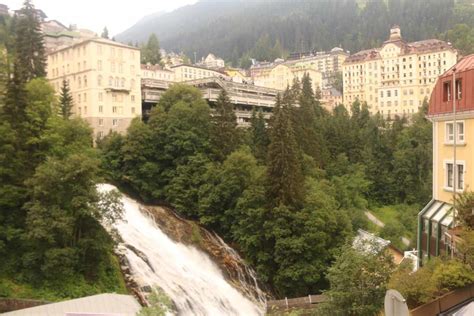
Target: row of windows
(115, 110)
(115, 52)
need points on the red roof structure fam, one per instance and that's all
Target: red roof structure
(441, 102)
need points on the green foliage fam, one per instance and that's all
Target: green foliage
(358, 282)
(462, 37)
(225, 136)
(150, 53)
(259, 139)
(30, 61)
(285, 179)
(433, 279)
(234, 29)
(465, 207)
(160, 304)
(50, 211)
(66, 101)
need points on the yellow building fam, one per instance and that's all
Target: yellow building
(281, 75)
(185, 72)
(237, 75)
(395, 78)
(453, 158)
(104, 78)
(156, 72)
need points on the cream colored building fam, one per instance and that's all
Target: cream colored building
(104, 78)
(156, 72)
(395, 78)
(185, 72)
(213, 62)
(282, 75)
(277, 74)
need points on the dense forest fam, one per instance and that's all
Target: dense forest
(52, 242)
(238, 30)
(287, 195)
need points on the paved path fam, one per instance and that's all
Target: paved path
(379, 223)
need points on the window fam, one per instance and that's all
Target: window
(447, 91)
(381, 94)
(450, 132)
(101, 109)
(449, 183)
(112, 67)
(389, 93)
(101, 96)
(458, 89)
(99, 80)
(115, 122)
(85, 97)
(111, 81)
(133, 110)
(101, 122)
(85, 81)
(99, 65)
(114, 109)
(132, 98)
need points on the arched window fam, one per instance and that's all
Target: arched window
(99, 80)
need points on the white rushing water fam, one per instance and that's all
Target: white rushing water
(187, 275)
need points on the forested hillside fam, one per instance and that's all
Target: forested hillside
(236, 29)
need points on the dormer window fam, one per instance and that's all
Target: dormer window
(458, 89)
(447, 91)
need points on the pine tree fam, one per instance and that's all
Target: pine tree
(29, 46)
(224, 136)
(151, 51)
(65, 101)
(105, 33)
(284, 175)
(259, 135)
(307, 123)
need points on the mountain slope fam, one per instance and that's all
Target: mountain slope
(232, 28)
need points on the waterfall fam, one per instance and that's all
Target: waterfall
(187, 275)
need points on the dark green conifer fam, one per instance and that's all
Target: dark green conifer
(65, 101)
(224, 136)
(284, 176)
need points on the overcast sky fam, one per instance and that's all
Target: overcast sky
(117, 15)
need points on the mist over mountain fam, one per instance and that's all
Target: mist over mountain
(264, 29)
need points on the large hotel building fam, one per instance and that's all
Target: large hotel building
(395, 78)
(104, 79)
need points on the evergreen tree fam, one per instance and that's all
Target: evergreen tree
(284, 176)
(29, 47)
(259, 135)
(307, 126)
(65, 100)
(150, 53)
(224, 135)
(105, 33)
